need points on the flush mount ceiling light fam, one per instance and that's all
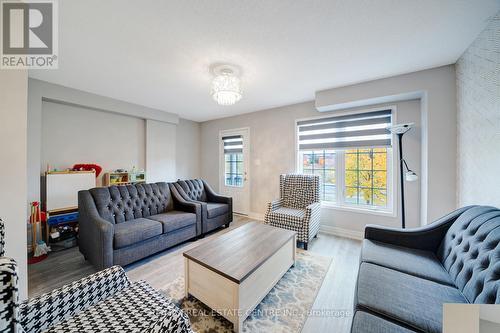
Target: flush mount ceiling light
(226, 85)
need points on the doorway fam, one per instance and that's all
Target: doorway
(234, 172)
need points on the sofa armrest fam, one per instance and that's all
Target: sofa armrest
(95, 233)
(273, 205)
(313, 211)
(425, 238)
(214, 197)
(42, 312)
(172, 319)
(187, 206)
(9, 305)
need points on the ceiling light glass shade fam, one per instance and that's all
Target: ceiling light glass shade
(226, 89)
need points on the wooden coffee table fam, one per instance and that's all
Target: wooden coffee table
(232, 273)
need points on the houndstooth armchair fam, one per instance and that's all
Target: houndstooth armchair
(106, 301)
(298, 207)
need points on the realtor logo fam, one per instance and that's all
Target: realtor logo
(29, 34)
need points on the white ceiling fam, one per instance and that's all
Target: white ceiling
(158, 53)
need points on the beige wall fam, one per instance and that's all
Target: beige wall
(73, 135)
(66, 126)
(13, 133)
(188, 150)
(478, 90)
(436, 89)
(272, 152)
(160, 151)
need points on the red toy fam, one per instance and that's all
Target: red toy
(88, 167)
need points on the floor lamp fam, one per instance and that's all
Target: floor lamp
(409, 175)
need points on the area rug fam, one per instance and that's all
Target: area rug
(284, 309)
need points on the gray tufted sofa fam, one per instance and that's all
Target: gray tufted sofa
(122, 224)
(405, 276)
(216, 210)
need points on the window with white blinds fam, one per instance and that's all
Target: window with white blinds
(233, 144)
(352, 156)
(346, 132)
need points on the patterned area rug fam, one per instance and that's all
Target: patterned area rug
(284, 309)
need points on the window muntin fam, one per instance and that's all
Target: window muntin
(362, 175)
(233, 169)
(322, 163)
(365, 177)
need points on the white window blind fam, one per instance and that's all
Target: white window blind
(233, 144)
(351, 131)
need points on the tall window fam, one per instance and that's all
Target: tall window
(233, 157)
(352, 156)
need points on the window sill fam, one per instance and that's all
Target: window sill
(359, 210)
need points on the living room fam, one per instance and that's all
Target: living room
(248, 166)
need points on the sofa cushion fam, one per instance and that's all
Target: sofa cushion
(123, 203)
(134, 231)
(285, 215)
(404, 298)
(470, 252)
(365, 322)
(216, 209)
(134, 309)
(419, 263)
(174, 220)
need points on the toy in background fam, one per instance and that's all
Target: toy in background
(63, 230)
(40, 249)
(88, 167)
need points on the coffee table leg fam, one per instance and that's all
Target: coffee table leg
(186, 277)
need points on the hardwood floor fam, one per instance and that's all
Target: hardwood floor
(331, 312)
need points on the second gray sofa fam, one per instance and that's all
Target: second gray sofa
(122, 224)
(216, 210)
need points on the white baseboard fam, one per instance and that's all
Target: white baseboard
(253, 215)
(336, 231)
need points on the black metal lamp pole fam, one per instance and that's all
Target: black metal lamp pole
(401, 161)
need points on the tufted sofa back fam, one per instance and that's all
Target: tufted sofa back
(470, 252)
(193, 189)
(117, 204)
(299, 191)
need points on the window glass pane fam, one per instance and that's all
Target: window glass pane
(365, 196)
(330, 160)
(365, 179)
(365, 161)
(329, 177)
(351, 178)
(234, 169)
(380, 161)
(318, 160)
(239, 167)
(330, 192)
(351, 161)
(380, 179)
(351, 195)
(380, 198)
(323, 164)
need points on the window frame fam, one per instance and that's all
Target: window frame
(340, 204)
